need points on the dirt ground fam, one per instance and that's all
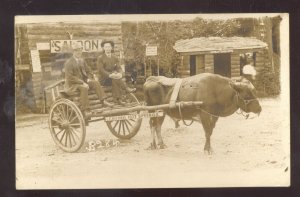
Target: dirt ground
(253, 152)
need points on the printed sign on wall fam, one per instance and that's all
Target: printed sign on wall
(35, 60)
(43, 46)
(65, 46)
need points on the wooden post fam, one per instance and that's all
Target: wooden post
(45, 102)
(53, 94)
(57, 91)
(182, 66)
(157, 66)
(145, 67)
(150, 66)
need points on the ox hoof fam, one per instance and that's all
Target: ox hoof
(152, 146)
(208, 152)
(162, 146)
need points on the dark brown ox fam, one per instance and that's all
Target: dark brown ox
(220, 95)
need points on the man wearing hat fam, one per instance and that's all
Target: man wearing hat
(78, 77)
(110, 71)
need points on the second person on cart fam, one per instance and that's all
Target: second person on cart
(79, 77)
(111, 73)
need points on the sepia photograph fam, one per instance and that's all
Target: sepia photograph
(152, 101)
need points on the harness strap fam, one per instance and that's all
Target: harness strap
(179, 108)
(175, 92)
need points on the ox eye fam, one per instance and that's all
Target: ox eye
(251, 96)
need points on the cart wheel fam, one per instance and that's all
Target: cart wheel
(126, 129)
(67, 126)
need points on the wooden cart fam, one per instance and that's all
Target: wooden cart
(67, 122)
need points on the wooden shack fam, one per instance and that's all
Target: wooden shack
(221, 55)
(41, 51)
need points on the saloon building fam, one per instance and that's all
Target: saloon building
(42, 49)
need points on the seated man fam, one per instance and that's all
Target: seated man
(78, 76)
(111, 72)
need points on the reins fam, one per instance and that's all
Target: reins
(184, 122)
(246, 102)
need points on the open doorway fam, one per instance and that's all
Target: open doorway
(222, 64)
(192, 65)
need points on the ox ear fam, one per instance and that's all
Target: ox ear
(236, 86)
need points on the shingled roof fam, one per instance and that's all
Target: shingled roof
(203, 44)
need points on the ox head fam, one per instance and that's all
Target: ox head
(245, 97)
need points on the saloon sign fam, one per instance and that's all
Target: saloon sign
(64, 46)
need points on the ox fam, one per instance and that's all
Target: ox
(221, 97)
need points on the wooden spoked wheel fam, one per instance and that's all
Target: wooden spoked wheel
(67, 125)
(128, 128)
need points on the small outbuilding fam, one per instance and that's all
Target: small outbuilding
(221, 55)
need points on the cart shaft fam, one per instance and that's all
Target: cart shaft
(112, 112)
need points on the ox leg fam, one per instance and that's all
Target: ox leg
(153, 128)
(176, 124)
(208, 123)
(160, 141)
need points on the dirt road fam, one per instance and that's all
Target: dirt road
(246, 153)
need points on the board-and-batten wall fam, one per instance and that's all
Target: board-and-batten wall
(184, 68)
(209, 63)
(204, 63)
(52, 63)
(261, 60)
(235, 64)
(200, 64)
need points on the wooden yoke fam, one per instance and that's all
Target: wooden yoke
(175, 92)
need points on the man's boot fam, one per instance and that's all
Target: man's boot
(130, 90)
(87, 116)
(106, 103)
(120, 102)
